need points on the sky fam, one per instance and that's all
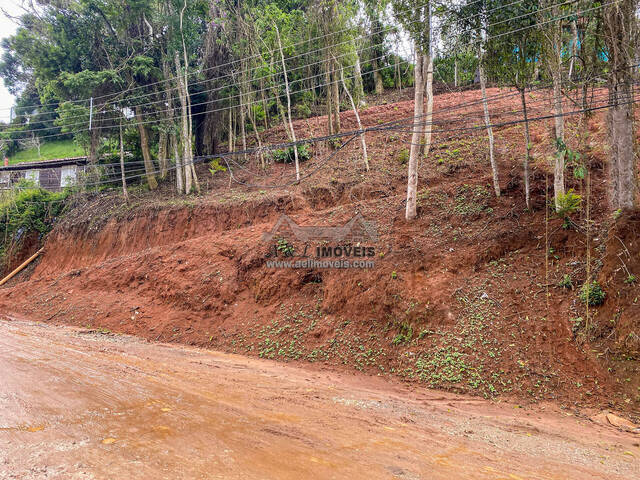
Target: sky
(7, 28)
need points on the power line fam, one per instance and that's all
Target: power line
(392, 126)
(296, 56)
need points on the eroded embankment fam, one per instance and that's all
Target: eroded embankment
(479, 294)
(453, 302)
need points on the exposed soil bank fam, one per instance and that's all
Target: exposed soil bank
(467, 298)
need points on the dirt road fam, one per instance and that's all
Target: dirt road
(83, 404)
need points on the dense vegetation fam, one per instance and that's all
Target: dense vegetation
(170, 82)
(27, 211)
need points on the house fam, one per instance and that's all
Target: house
(52, 175)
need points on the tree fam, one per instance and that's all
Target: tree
(552, 54)
(470, 22)
(513, 52)
(618, 28)
(418, 22)
(373, 11)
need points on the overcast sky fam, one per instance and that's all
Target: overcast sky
(7, 28)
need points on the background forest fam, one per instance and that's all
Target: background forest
(164, 85)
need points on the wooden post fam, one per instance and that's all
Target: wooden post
(21, 267)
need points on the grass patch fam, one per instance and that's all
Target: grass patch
(48, 151)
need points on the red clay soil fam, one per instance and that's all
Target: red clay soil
(467, 298)
(119, 407)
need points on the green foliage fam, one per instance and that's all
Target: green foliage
(288, 155)
(215, 166)
(592, 294)
(573, 160)
(568, 203)
(303, 110)
(285, 247)
(403, 156)
(631, 279)
(48, 151)
(566, 282)
(27, 210)
(472, 200)
(404, 335)
(444, 67)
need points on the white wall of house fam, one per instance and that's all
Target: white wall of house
(68, 176)
(33, 175)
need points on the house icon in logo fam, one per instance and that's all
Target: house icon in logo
(356, 230)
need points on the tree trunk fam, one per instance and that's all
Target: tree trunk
(355, 112)
(622, 169)
(377, 77)
(146, 154)
(527, 138)
(358, 89)
(179, 169)
(243, 128)
(574, 46)
(455, 72)
(162, 153)
(428, 119)
(232, 139)
(618, 22)
(427, 77)
(190, 169)
(487, 124)
(184, 132)
(286, 84)
(335, 86)
(554, 64)
(327, 77)
(558, 171)
(418, 109)
(125, 193)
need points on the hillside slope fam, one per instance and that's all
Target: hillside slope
(457, 299)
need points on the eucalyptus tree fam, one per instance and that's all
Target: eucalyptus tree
(552, 19)
(619, 23)
(374, 12)
(513, 52)
(469, 24)
(417, 21)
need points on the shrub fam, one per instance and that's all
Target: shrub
(592, 294)
(288, 155)
(26, 211)
(405, 334)
(568, 203)
(566, 282)
(403, 156)
(303, 110)
(214, 166)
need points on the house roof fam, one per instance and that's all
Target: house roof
(54, 163)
